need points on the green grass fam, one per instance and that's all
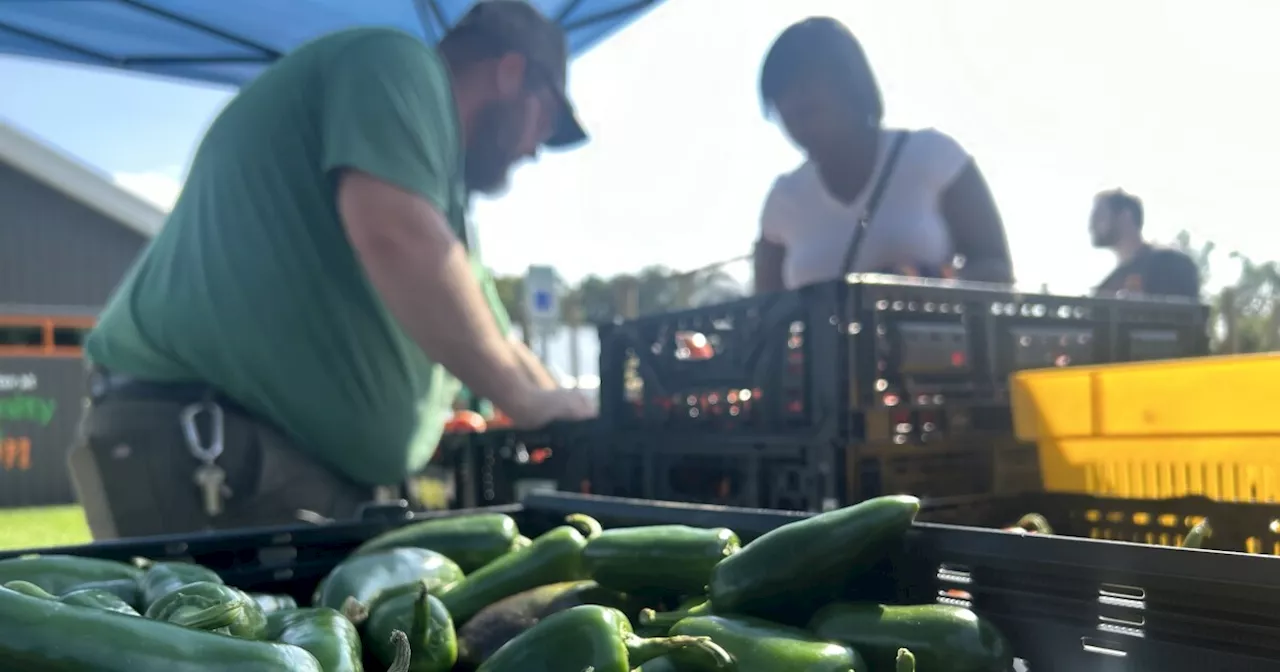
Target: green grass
(43, 527)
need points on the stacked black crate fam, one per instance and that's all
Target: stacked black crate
(501, 466)
(929, 375)
(736, 404)
(927, 413)
(840, 392)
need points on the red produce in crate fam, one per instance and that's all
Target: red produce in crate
(466, 422)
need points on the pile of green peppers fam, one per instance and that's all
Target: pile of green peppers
(472, 593)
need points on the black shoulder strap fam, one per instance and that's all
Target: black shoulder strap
(873, 202)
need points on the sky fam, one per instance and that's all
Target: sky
(1055, 101)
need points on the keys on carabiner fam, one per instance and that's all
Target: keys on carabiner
(209, 477)
(212, 481)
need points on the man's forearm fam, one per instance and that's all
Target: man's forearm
(533, 367)
(422, 273)
(455, 327)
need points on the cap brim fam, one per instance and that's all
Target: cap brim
(569, 132)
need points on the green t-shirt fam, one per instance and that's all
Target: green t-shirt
(252, 285)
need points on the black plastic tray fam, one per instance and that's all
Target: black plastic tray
(1066, 604)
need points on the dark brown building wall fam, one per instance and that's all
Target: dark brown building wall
(55, 251)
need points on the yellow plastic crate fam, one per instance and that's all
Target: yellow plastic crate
(1207, 426)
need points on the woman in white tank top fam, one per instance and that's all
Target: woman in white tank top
(933, 204)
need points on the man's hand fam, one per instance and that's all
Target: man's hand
(545, 406)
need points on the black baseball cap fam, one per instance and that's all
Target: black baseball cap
(521, 28)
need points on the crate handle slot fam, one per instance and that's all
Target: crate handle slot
(1103, 648)
(1138, 623)
(1122, 592)
(950, 573)
(274, 556)
(955, 598)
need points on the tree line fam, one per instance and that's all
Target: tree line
(654, 289)
(1244, 315)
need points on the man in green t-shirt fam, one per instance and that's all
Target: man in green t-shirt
(295, 335)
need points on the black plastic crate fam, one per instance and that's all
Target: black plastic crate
(813, 475)
(1242, 527)
(762, 366)
(500, 466)
(1067, 605)
(810, 360)
(762, 474)
(949, 466)
(922, 343)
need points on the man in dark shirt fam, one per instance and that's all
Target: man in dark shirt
(1116, 224)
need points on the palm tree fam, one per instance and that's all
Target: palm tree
(1199, 254)
(715, 285)
(655, 289)
(1258, 290)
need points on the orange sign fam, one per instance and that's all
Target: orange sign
(15, 453)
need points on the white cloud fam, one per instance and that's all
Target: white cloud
(159, 188)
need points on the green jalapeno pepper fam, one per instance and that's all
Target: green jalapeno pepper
(790, 572)
(593, 638)
(363, 577)
(761, 646)
(941, 637)
(906, 661)
(323, 632)
(413, 610)
(208, 606)
(48, 636)
(162, 578)
(128, 590)
(30, 590)
(471, 541)
(661, 559)
(89, 597)
(661, 621)
(552, 558)
(58, 574)
(503, 620)
(95, 598)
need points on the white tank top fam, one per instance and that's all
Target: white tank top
(908, 229)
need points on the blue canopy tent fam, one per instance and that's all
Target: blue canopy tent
(231, 41)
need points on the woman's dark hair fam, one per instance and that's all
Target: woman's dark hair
(823, 46)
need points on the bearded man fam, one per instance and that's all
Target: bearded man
(295, 335)
(1141, 267)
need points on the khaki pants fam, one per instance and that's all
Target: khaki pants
(135, 475)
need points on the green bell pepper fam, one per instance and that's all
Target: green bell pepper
(593, 638)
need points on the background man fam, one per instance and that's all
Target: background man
(291, 338)
(1141, 268)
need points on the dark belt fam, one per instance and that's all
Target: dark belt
(106, 385)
